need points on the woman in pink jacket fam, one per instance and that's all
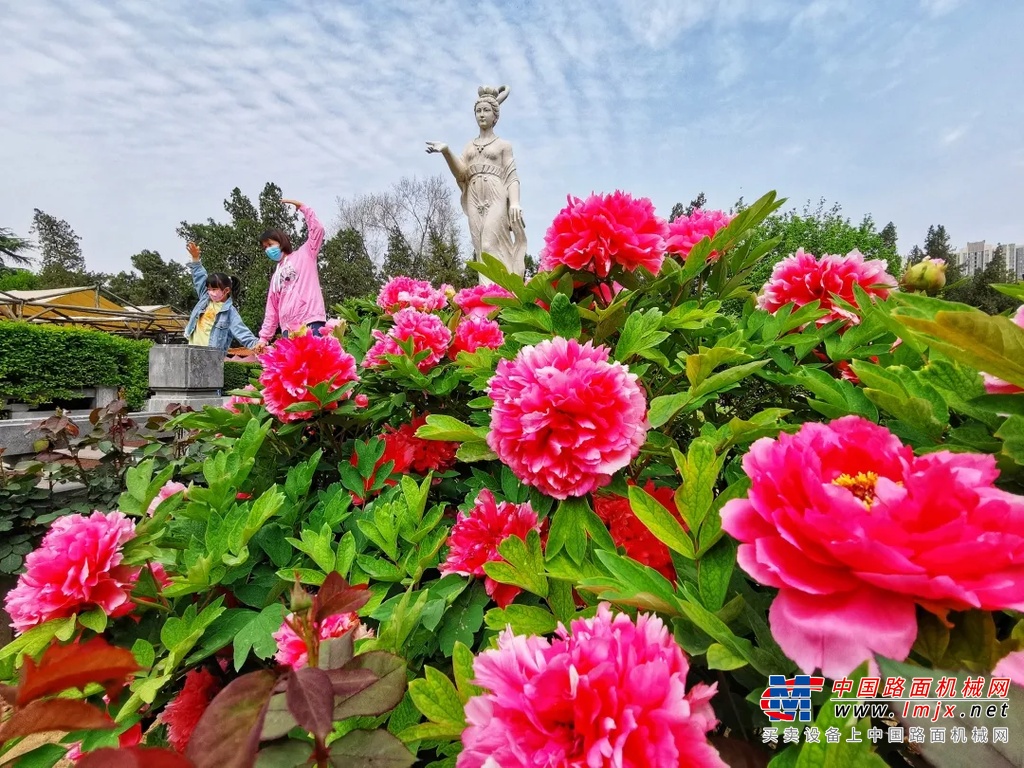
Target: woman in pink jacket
(295, 298)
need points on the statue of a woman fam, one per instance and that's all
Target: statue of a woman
(486, 175)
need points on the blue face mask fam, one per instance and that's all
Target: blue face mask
(274, 253)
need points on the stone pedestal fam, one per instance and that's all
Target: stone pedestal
(183, 375)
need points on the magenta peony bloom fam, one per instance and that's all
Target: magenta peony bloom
(76, 567)
(403, 292)
(474, 332)
(471, 300)
(686, 231)
(1011, 666)
(235, 402)
(428, 333)
(603, 231)
(854, 531)
(169, 489)
(993, 384)
(293, 366)
(801, 278)
(291, 649)
(564, 418)
(475, 537)
(610, 694)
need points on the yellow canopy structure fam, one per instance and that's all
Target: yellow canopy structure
(92, 307)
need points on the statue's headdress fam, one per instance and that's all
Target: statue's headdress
(493, 96)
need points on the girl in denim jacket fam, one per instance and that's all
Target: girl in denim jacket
(214, 320)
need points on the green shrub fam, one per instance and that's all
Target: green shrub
(42, 364)
(237, 375)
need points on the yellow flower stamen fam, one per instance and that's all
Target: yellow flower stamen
(861, 485)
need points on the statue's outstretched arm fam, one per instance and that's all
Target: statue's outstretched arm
(455, 164)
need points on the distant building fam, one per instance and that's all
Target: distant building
(976, 256)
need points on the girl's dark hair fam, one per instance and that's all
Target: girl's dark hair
(223, 280)
(280, 237)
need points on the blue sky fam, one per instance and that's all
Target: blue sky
(127, 116)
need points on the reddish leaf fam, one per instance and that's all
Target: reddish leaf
(74, 666)
(380, 697)
(228, 733)
(310, 698)
(349, 682)
(9, 694)
(336, 596)
(377, 748)
(133, 757)
(54, 715)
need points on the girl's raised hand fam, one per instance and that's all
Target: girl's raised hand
(193, 250)
(296, 203)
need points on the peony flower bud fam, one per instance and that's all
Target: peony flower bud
(928, 275)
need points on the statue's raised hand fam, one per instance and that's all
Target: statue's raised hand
(436, 146)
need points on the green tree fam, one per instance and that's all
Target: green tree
(819, 231)
(443, 262)
(346, 270)
(679, 210)
(155, 282)
(234, 246)
(888, 235)
(61, 262)
(13, 249)
(400, 259)
(18, 280)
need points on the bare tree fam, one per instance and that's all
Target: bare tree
(411, 209)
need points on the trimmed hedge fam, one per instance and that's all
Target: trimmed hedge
(45, 363)
(237, 375)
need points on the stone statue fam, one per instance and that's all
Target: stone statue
(486, 175)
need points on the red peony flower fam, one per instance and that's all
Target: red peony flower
(475, 537)
(403, 292)
(603, 231)
(170, 488)
(428, 333)
(182, 714)
(474, 333)
(293, 366)
(686, 231)
(802, 278)
(564, 418)
(471, 300)
(632, 535)
(427, 455)
(855, 531)
(610, 694)
(237, 402)
(76, 567)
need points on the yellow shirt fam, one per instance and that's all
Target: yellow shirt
(201, 335)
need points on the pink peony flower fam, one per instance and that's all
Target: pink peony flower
(603, 231)
(686, 231)
(801, 278)
(475, 537)
(293, 366)
(76, 567)
(428, 334)
(362, 400)
(854, 531)
(474, 333)
(170, 488)
(330, 326)
(182, 714)
(235, 402)
(993, 384)
(471, 300)
(160, 575)
(291, 649)
(564, 418)
(403, 292)
(612, 694)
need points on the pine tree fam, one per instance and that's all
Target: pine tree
(13, 248)
(678, 210)
(346, 270)
(400, 258)
(442, 262)
(888, 235)
(62, 264)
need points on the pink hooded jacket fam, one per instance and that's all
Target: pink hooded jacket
(295, 298)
